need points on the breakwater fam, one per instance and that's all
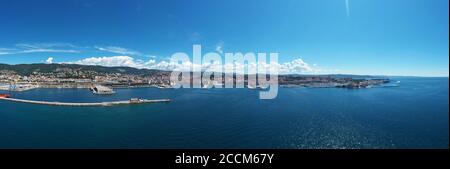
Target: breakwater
(112, 103)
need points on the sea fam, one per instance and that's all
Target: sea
(414, 115)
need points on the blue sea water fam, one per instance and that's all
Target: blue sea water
(414, 115)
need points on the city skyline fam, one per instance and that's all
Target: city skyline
(408, 38)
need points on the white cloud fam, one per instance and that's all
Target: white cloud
(6, 51)
(297, 66)
(62, 48)
(44, 45)
(118, 50)
(49, 60)
(47, 51)
(110, 61)
(26, 48)
(40, 48)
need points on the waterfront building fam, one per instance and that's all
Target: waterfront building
(99, 89)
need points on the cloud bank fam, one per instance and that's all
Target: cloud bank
(297, 66)
(126, 58)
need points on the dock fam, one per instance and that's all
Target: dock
(112, 103)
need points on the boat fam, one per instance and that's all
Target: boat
(260, 87)
(5, 96)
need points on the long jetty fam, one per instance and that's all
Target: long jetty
(140, 101)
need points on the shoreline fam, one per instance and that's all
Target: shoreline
(281, 85)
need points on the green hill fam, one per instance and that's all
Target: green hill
(27, 69)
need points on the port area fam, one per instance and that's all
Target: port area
(19, 87)
(112, 103)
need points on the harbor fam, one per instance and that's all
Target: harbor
(95, 89)
(111, 103)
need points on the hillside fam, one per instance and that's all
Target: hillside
(27, 69)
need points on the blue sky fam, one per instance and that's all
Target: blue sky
(385, 37)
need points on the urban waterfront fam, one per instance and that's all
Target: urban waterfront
(413, 115)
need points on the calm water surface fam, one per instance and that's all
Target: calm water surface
(414, 115)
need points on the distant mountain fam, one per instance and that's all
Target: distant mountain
(27, 69)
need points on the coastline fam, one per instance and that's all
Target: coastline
(311, 85)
